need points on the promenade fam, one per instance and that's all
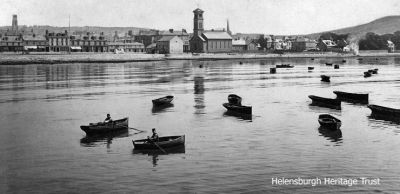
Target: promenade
(57, 58)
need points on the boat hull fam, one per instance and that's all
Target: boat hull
(325, 78)
(101, 127)
(238, 108)
(329, 122)
(163, 101)
(352, 97)
(163, 142)
(325, 102)
(387, 112)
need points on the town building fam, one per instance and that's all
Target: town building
(208, 41)
(152, 36)
(88, 43)
(58, 42)
(241, 45)
(135, 47)
(170, 45)
(391, 46)
(327, 45)
(301, 44)
(35, 43)
(12, 41)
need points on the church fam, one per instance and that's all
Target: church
(208, 41)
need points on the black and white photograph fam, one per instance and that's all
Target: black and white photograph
(200, 96)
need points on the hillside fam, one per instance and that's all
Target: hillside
(389, 24)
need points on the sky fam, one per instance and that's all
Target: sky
(280, 17)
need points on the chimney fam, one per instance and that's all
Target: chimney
(14, 26)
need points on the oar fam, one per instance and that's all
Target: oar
(130, 128)
(159, 147)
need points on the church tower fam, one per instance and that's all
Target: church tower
(198, 25)
(14, 26)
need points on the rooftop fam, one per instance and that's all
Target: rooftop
(217, 35)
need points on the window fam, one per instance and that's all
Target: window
(200, 25)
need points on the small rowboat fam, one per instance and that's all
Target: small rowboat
(373, 71)
(367, 74)
(325, 102)
(234, 99)
(325, 78)
(163, 101)
(105, 127)
(328, 64)
(238, 108)
(330, 122)
(352, 97)
(384, 111)
(336, 67)
(284, 66)
(163, 142)
(310, 68)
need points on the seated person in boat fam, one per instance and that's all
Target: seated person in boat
(108, 119)
(154, 137)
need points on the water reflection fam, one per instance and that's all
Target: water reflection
(247, 117)
(155, 153)
(161, 108)
(332, 135)
(97, 140)
(199, 95)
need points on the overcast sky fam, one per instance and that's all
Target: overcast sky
(248, 16)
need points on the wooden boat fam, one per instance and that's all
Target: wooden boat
(373, 71)
(284, 66)
(163, 100)
(367, 74)
(234, 99)
(238, 108)
(352, 97)
(105, 127)
(336, 66)
(325, 78)
(272, 70)
(330, 122)
(384, 111)
(163, 142)
(325, 102)
(328, 64)
(310, 68)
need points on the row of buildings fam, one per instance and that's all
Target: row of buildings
(156, 41)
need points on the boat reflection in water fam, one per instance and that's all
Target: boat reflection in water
(247, 117)
(156, 152)
(161, 108)
(331, 135)
(97, 140)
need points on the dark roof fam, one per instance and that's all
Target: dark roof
(30, 37)
(217, 35)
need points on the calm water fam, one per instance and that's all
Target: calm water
(43, 150)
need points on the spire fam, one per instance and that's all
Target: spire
(227, 27)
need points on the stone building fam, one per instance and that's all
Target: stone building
(208, 41)
(170, 45)
(58, 42)
(88, 43)
(136, 47)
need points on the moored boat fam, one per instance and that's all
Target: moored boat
(336, 67)
(163, 142)
(325, 102)
(238, 108)
(310, 68)
(384, 111)
(367, 74)
(328, 121)
(284, 66)
(373, 71)
(106, 127)
(352, 97)
(325, 78)
(328, 64)
(163, 101)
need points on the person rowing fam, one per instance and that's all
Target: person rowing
(108, 119)
(154, 137)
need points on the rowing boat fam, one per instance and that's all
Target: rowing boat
(105, 127)
(163, 142)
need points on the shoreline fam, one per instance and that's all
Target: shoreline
(59, 58)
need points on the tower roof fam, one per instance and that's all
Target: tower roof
(198, 10)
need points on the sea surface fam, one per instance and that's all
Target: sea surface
(43, 149)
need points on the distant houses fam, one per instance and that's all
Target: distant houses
(170, 45)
